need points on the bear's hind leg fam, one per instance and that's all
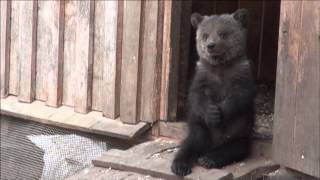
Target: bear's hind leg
(228, 153)
(192, 147)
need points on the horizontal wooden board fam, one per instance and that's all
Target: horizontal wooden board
(5, 47)
(65, 117)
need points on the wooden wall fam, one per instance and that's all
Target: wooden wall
(296, 141)
(91, 55)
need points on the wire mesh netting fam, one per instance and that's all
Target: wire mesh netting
(31, 150)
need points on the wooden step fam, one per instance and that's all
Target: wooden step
(154, 158)
(65, 117)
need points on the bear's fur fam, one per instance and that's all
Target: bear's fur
(221, 96)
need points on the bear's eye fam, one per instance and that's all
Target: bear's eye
(224, 35)
(205, 36)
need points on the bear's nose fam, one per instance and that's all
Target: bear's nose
(211, 45)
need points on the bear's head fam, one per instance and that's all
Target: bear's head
(221, 38)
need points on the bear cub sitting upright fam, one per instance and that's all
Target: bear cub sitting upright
(221, 96)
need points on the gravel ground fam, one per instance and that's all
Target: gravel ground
(264, 111)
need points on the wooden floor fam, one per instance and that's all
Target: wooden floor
(153, 159)
(65, 117)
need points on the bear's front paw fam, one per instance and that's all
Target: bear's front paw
(206, 162)
(181, 168)
(213, 115)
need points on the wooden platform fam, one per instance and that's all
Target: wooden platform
(154, 158)
(65, 117)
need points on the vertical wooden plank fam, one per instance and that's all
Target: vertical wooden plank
(69, 75)
(170, 60)
(14, 64)
(131, 54)
(268, 60)
(49, 52)
(108, 22)
(226, 6)
(55, 73)
(99, 54)
(255, 27)
(286, 87)
(306, 157)
(84, 56)
(5, 47)
(28, 11)
(150, 64)
(185, 58)
(78, 54)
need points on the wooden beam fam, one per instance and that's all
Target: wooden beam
(84, 56)
(285, 99)
(14, 64)
(69, 58)
(49, 52)
(170, 60)
(108, 22)
(5, 46)
(151, 63)
(28, 12)
(131, 55)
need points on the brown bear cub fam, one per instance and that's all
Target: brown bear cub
(221, 96)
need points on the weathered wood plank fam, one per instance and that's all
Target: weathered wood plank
(170, 60)
(154, 158)
(14, 64)
(306, 147)
(150, 64)
(69, 59)
(28, 11)
(131, 55)
(65, 117)
(176, 130)
(84, 56)
(285, 99)
(108, 21)
(49, 52)
(5, 46)
(185, 58)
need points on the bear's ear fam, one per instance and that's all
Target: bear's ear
(242, 16)
(196, 19)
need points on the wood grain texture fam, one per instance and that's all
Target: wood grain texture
(49, 52)
(28, 11)
(78, 55)
(5, 47)
(106, 75)
(69, 75)
(306, 157)
(84, 56)
(185, 58)
(170, 60)
(131, 55)
(14, 64)
(288, 54)
(298, 88)
(150, 64)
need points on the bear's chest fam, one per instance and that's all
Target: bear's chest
(217, 86)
